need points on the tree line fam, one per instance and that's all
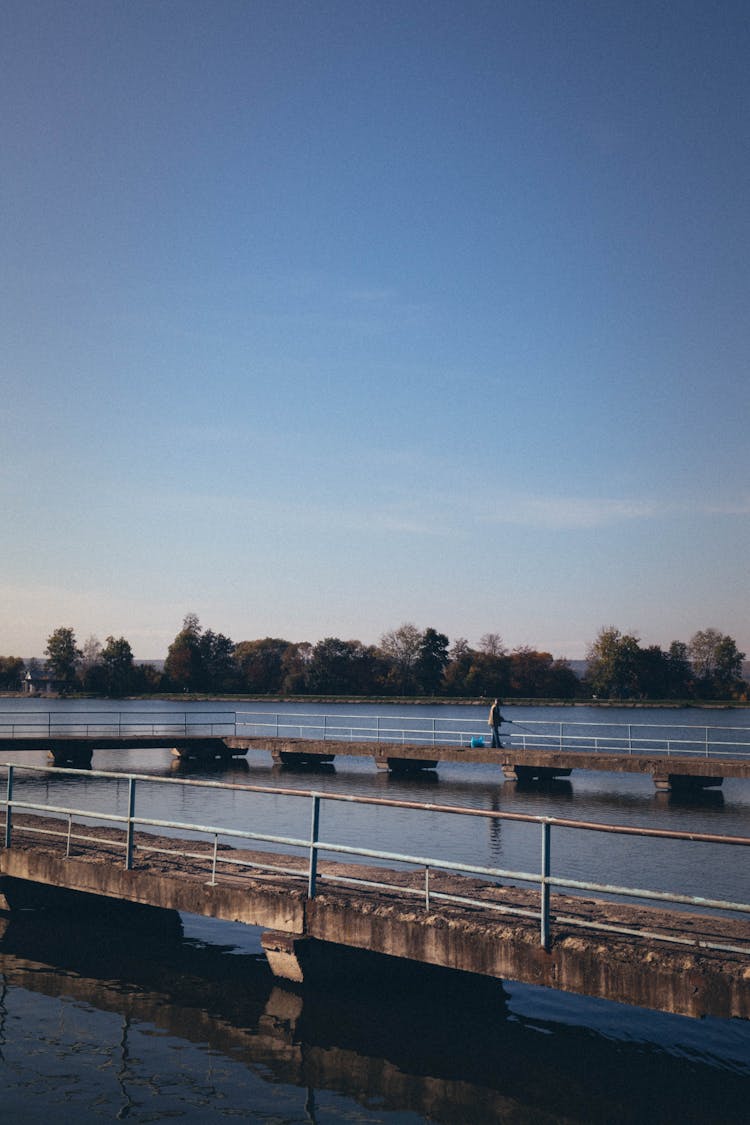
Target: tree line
(407, 661)
(709, 666)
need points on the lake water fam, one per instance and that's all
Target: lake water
(192, 1028)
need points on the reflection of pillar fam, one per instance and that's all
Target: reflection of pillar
(3, 1013)
(281, 1014)
(123, 1072)
(310, 1108)
(496, 828)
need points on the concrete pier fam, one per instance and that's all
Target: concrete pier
(302, 932)
(522, 763)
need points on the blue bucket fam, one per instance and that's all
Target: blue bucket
(476, 743)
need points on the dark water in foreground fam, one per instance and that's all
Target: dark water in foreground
(93, 1029)
(96, 1025)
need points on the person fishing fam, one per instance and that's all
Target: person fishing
(494, 720)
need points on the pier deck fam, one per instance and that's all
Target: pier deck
(303, 935)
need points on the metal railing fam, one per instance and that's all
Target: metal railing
(116, 724)
(312, 846)
(629, 738)
(670, 740)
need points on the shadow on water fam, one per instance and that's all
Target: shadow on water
(545, 787)
(687, 799)
(406, 1040)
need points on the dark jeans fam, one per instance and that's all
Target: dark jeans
(496, 738)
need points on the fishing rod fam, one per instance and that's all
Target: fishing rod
(521, 727)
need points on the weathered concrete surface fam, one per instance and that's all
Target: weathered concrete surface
(472, 939)
(662, 768)
(648, 974)
(171, 883)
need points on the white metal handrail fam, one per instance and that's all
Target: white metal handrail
(629, 738)
(313, 846)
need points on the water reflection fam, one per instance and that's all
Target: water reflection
(420, 1044)
(704, 799)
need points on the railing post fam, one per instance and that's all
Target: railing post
(433, 732)
(427, 889)
(325, 727)
(708, 744)
(562, 736)
(213, 864)
(314, 826)
(630, 739)
(546, 839)
(8, 807)
(131, 812)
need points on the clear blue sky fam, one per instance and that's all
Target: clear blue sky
(321, 317)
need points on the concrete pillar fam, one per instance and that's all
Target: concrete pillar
(76, 757)
(300, 760)
(286, 954)
(665, 782)
(403, 765)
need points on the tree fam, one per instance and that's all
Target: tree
(653, 670)
(198, 661)
(431, 661)
(613, 662)
(679, 671)
(117, 662)
(728, 673)
(716, 662)
(457, 669)
(91, 670)
(492, 644)
(217, 671)
(294, 665)
(401, 649)
(260, 666)
(489, 675)
(183, 664)
(328, 669)
(535, 675)
(12, 669)
(63, 656)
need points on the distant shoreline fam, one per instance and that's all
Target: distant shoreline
(410, 701)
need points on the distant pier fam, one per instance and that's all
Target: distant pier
(699, 758)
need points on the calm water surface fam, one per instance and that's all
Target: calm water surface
(96, 1027)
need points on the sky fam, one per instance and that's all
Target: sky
(318, 318)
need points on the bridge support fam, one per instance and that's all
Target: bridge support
(683, 782)
(513, 772)
(73, 754)
(403, 765)
(204, 750)
(285, 954)
(300, 760)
